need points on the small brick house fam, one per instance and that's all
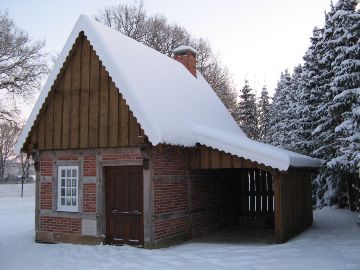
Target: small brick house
(132, 147)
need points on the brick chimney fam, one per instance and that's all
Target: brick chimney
(187, 56)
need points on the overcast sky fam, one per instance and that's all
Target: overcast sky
(257, 40)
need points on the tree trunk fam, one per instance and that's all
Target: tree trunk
(22, 186)
(350, 191)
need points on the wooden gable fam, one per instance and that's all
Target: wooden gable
(84, 108)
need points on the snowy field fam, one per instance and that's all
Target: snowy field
(332, 243)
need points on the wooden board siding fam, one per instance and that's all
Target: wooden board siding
(202, 157)
(293, 205)
(84, 108)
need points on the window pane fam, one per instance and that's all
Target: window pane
(74, 201)
(62, 173)
(68, 182)
(74, 182)
(68, 173)
(62, 182)
(74, 192)
(62, 201)
(74, 173)
(62, 192)
(68, 192)
(68, 201)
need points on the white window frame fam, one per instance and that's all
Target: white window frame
(67, 208)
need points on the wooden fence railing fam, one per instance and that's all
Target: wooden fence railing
(257, 194)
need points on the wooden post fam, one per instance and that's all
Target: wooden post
(36, 157)
(279, 209)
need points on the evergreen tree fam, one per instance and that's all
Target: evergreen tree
(310, 93)
(263, 113)
(278, 132)
(297, 114)
(247, 112)
(335, 103)
(345, 106)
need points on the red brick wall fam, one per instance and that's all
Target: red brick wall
(45, 195)
(214, 196)
(89, 166)
(169, 160)
(46, 166)
(170, 195)
(89, 197)
(60, 224)
(170, 228)
(170, 190)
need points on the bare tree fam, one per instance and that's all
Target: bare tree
(22, 65)
(156, 32)
(26, 162)
(9, 132)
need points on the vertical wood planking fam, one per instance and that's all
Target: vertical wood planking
(34, 136)
(133, 130)
(124, 123)
(49, 115)
(225, 160)
(84, 96)
(41, 133)
(204, 156)
(264, 194)
(215, 158)
(278, 211)
(246, 192)
(252, 192)
(104, 107)
(258, 192)
(58, 112)
(113, 115)
(270, 196)
(194, 158)
(237, 162)
(85, 109)
(66, 107)
(75, 97)
(93, 100)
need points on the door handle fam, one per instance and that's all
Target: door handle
(136, 212)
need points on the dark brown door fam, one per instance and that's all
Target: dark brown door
(124, 205)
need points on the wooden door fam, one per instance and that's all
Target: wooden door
(124, 205)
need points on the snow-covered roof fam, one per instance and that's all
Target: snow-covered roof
(170, 104)
(184, 49)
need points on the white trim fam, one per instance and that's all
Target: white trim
(65, 208)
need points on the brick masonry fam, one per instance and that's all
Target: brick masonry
(46, 163)
(70, 223)
(60, 224)
(89, 197)
(46, 195)
(189, 202)
(89, 165)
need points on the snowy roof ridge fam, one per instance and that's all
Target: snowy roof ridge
(184, 48)
(155, 85)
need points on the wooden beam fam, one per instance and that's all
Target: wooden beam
(94, 100)
(279, 209)
(215, 158)
(84, 97)
(75, 98)
(113, 115)
(104, 108)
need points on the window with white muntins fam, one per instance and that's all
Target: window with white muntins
(68, 188)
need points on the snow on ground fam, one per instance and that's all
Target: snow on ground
(332, 243)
